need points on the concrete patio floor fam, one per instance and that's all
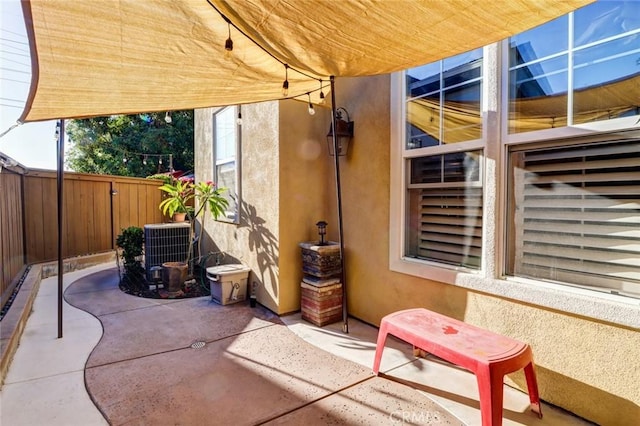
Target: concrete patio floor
(129, 360)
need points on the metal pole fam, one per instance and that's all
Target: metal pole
(345, 312)
(60, 179)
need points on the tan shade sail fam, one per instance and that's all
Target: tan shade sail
(126, 56)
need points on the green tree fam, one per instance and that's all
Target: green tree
(122, 144)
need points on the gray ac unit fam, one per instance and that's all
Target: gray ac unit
(165, 242)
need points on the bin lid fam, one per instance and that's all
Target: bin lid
(227, 269)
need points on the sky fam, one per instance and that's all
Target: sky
(31, 144)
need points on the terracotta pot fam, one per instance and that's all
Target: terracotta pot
(174, 275)
(179, 217)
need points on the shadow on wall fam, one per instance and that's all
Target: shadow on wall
(582, 399)
(262, 244)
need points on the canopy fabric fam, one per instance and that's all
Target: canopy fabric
(92, 58)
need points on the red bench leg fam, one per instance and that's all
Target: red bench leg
(382, 337)
(491, 394)
(532, 387)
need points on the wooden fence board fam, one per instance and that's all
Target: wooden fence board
(49, 220)
(11, 232)
(34, 219)
(102, 217)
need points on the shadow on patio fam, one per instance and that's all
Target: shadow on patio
(191, 361)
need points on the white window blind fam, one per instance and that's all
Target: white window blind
(576, 215)
(445, 224)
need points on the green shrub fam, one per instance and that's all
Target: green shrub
(131, 241)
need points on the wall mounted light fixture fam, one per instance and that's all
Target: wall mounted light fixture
(344, 133)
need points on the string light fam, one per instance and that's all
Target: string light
(239, 120)
(311, 110)
(57, 135)
(228, 44)
(285, 85)
(130, 157)
(322, 99)
(167, 118)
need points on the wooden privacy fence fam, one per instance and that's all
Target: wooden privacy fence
(11, 230)
(96, 209)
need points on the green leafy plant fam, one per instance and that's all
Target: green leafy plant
(131, 242)
(181, 193)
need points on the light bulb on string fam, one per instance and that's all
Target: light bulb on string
(160, 160)
(144, 160)
(57, 135)
(311, 110)
(167, 118)
(239, 120)
(285, 85)
(322, 98)
(228, 44)
(124, 160)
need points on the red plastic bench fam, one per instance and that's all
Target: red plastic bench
(488, 355)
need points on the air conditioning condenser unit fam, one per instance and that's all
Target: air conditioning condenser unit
(165, 242)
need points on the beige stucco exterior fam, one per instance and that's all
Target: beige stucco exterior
(285, 190)
(584, 365)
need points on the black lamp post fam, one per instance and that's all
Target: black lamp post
(344, 133)
(322, 231)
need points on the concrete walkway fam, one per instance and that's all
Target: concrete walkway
(192, 361)
(45, 382)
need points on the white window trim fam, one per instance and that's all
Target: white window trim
(615, 309)
(222, 161)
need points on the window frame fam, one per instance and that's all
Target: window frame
(441, 149)
(216, 162)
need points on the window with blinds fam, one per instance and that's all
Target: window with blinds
(445, 209)
(575, 215)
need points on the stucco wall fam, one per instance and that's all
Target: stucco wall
(255, 240)
(306, 191)
(284, 191)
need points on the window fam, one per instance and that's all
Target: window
(443, 104)
(573, 207)
(580, 68)
(226, 147)
(444, 190)
(576, 213)
(445, 209)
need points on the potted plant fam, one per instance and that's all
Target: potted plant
(180, 193)
(130, 242)
(180, 215)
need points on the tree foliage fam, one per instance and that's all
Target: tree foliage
(101, 145)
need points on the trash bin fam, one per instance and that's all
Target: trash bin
(228, 283)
